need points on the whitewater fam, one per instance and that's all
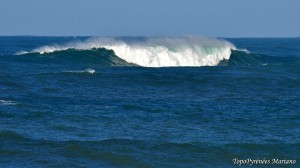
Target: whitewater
(155, 51)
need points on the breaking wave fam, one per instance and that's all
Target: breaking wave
(153, 52)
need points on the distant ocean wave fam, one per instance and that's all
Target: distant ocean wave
(157, 52)
(154, 52)
(104, 57)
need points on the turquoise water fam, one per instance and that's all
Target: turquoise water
(91, 108)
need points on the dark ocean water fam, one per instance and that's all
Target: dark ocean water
(90, 108)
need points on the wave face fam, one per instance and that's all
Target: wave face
(99, 56)
(155, 52)
(244, 58)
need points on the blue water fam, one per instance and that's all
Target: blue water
(89, 108)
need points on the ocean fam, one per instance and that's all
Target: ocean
(149, 102)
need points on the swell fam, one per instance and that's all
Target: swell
(134, 153)
(11, 136)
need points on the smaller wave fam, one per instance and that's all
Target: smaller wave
(88, 70)
(7, 102)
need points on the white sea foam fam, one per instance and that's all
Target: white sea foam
(244, 50)
(90, 70)
(22, 52)
(157, 52)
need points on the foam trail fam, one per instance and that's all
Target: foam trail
(157, 52)
(88, 70)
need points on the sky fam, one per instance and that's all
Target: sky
(213, 18)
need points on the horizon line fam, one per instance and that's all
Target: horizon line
(249, 37)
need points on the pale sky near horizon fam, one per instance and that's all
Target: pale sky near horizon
(215, 18)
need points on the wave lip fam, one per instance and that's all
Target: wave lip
(156, 52)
